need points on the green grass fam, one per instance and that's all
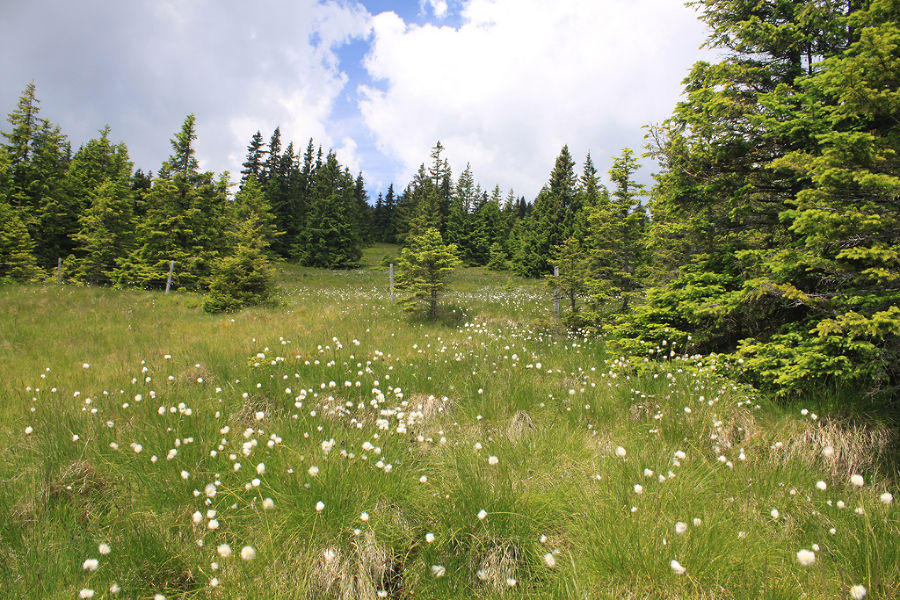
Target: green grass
(415, 409)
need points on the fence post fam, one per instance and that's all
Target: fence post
(556, 294)
(392, 283)
(169, 280)
(58, 270)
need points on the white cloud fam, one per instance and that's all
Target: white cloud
(142, 65)
(520, 78)
(438, 7)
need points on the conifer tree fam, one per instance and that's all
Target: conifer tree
(16, 246)
(244, 276)
(424, 265)
(183, 222)
(256, 153)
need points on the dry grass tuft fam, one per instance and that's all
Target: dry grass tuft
(497, 564)
(858, 448)
(520, 424)
(358, 574)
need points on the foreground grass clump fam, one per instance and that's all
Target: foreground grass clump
(332, 448)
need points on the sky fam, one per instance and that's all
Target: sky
(502, 84)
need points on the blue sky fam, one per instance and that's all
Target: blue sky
(502, 83)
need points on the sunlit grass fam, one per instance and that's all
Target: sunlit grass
(350, 446)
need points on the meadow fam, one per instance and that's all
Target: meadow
(332, 446)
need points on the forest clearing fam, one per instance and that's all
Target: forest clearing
(332, 446)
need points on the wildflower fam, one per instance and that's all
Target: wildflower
(806, 557)
(90, 564)
(248, 553)
(676, 566)
(313, 471)
(857, 480)
(364, 517)
(550, 560)
(680, 527)
(621, 452)
(858, 592)
(438, 570)
(886, 498)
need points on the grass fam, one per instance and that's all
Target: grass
(389, 422)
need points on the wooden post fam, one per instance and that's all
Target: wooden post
(392, 283)
(556, 294)
(58, 271)
(169, 280)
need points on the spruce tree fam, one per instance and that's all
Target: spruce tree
(424, 265)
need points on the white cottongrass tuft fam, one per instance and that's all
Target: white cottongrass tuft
(827, 451)
(677, 568)
(320, 506)
(821, 485)
(886, 498)
(858, 592)
(86, 593)
(438, 570)
(90, 564)
(248, 553)
(775, 514)
(482, 514)
(493, 460)
(680, 527)
(268, 504)
(638, 489)
(364, 516)
(550, 560)
(104, 548)
(224, 550)
(313, 471)
(857, 480)
(621, 452)
(806, 557)
(429, 537)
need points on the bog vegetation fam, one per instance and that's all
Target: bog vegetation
(334, 447)
(713, 413)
